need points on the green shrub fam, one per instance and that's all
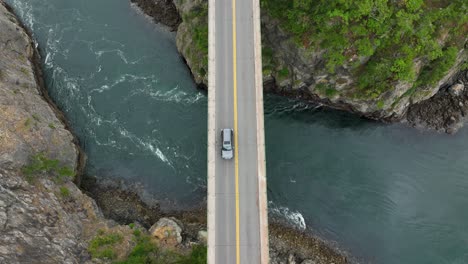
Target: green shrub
(102, 245)
(145, 251)
(283, 73)
(27, 123)
(433, 72)
(142, 252)
(392, 33)
(198, 255)
(35, 117)
(65, 192)
(380, 104)
(464, 66)
(197, 19)
(41, 164)
(330, 92)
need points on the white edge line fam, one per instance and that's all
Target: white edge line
(262, 183)
(211, 210)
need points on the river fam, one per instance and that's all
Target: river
(384, 193)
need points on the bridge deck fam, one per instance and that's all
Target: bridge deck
(237, 214)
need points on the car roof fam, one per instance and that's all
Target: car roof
(227, 134)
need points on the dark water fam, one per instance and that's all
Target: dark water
(387, 194)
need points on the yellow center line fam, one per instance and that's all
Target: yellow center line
(236, 149)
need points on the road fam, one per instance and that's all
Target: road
(240, 222)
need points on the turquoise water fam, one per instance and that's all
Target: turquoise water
(388, 194)
(126, 91)
(385, 193)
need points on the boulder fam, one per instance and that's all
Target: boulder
(166, 232)
(202, 237)
(456, 89)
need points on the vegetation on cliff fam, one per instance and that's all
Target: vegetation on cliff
(192, 37)
(41, 164)
(375, 58)
(389, 36)
(105, 245)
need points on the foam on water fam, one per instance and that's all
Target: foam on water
(175, 95)
(149, 145)
(293, 217)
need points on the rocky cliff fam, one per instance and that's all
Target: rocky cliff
(44, 217)
(375, 59)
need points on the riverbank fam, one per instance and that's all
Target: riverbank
(287, 244)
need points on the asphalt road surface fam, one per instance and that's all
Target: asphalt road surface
(237, 237)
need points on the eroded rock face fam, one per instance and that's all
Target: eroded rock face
(447, 111)
(40, 226)
(28, 125)
(162, 11)
(42, 219)
(192, 37)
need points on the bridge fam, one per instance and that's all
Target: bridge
(237, 202)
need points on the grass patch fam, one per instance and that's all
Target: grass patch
(380, 104)
(197, 19)
(144, 251)
(64, 192)
(330, 92)
(40, 164)
(24, 71)
(102, 245)
(27, 123)
(52, 126)
(284, 72)
(464, 66)
(35, 117)
(198, 255)
(326, 89)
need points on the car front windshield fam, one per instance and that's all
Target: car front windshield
(226, 145)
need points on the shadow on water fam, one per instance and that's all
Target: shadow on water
(300, 111)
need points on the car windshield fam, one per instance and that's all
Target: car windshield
(226, 145)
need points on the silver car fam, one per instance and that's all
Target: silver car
(227, 149)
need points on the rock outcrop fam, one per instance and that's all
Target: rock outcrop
(44, 217)
(446, 111)
(296, 71)
(162, 11)
(28, 124)
(192, 37)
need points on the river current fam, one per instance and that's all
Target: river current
(384, 193)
